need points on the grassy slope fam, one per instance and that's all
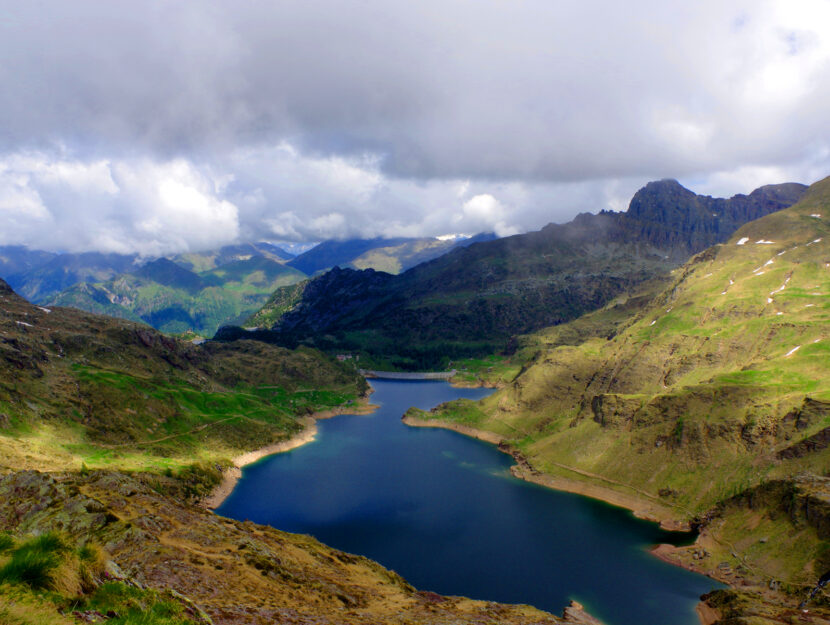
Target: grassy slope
(79, 388)
(701, 394)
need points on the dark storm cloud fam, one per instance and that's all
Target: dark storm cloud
(530, 89)
(304, 120)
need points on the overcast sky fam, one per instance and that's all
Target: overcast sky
(157, 127)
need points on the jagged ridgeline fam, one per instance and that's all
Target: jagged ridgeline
(471, 301)
(704, 404)
(76, 388)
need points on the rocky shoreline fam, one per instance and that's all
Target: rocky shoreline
(231, 476)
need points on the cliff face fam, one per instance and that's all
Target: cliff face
(671, 217)
(472, 300)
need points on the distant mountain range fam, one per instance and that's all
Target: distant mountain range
(389, 255)
(197, 291)
(472, 300)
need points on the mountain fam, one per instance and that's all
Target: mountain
(710, 404)
(165, 295)
(472, 300)
(211, 259)
(76, 386)
(333, 253)
(17, 259)
(39, 282)
(398, 258)
(39, 275)
(167, 273)
(389, 255)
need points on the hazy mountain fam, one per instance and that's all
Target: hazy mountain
(17, 259)
(389, 255)
(211, 259)
(39, 282)
(171, 298)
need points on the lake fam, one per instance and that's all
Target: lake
(443, 510)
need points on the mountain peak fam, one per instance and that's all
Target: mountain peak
(166, 272)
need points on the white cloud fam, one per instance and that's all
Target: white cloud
(130, 206)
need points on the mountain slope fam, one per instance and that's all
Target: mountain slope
(398, 258)
(333, 253)
(389, 255)
(211, 259)
(77, 387)
(472, 300)
(714, 394)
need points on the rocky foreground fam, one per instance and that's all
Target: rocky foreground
(225, 571)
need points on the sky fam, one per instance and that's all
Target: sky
(168, 126)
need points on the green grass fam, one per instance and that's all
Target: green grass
(35, 562)
(492, 369)
(47, 576)
(177, 423)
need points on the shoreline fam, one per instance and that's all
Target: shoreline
(641, 507)
(232, 475)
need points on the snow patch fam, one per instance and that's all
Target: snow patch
(769, 300)
(792, 351)
(23, 323)
(742, 241)
(46, 310)
(816, 215)
(653, 322)
(764, 242)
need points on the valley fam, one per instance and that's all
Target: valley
(689, 390)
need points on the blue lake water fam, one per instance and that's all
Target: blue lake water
(442, 510)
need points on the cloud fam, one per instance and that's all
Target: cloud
(180, 125)
(550, 91)
(129, 206)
